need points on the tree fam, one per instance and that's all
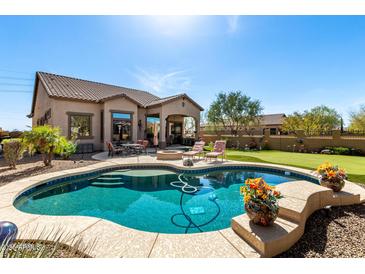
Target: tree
(46, 140)
(235, 111)
(357, 119)
(320, 118)
(189, 127)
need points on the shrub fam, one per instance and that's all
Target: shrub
(67, 148)
(15, 134)
(340, 150)
(266, 145)
(13, 151)
(45, 140)
(188, 162)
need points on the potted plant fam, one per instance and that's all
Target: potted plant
(331, 176)
(261, 201)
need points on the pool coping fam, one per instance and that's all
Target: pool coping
(114, 240)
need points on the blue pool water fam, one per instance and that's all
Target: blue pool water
(145, 199)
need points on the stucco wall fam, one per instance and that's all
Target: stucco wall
(42, 104)
(177, 107)
(141, 117)
(120, 105)
(60, 118)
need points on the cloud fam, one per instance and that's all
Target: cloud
(232, 22)
(166, 83)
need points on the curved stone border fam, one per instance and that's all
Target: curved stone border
(113, 240)
(301, 199)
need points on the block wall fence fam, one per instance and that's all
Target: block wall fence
(294, 142)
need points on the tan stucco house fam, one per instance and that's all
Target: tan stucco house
(96, 112)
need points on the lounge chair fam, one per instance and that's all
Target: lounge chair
(114, 150)
(196, 150)
(218, 150)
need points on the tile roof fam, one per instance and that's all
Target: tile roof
(73, 88)
(272, 119)
(59, 86)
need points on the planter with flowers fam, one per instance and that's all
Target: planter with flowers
(261, 201)
(331, 176)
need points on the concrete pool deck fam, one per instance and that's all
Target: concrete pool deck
(243, 239)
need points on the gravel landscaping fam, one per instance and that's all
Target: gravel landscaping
(31, 166)
(332, 233)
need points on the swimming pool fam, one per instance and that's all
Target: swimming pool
(145, 199)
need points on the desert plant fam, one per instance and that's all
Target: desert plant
(13, 151)
(47, 244)
(318, 119)
(235, 111)
(357, 119)
(46, 140)
(67, 148)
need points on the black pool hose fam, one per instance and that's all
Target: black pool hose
(192, 224)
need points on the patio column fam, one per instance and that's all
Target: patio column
(197, 127)
(162, 139)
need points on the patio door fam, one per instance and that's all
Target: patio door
(176, 132)
(122, 127)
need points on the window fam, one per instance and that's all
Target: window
(122, 126)
(126, 116)
(272, 131)
(80, 125)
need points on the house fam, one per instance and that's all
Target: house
(95, 112)
(272, 122)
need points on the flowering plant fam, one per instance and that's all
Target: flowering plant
(261, 200)
(332, 176)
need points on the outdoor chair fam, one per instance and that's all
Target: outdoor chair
(114, 150)
(219, 149)
(144, 145)
(196, 150)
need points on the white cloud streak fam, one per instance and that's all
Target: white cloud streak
(163, 84)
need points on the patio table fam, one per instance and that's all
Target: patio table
(133, 147)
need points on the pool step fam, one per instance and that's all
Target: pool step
(268, 241)
(116, 173)
(110, 179)
(106, 184)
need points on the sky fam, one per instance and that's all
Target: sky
(289, 63)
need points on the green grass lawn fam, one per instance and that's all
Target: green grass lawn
(354, 165)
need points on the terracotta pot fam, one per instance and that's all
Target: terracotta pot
(336, 185)
(261, 214)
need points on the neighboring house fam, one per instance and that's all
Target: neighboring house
(96, 112)
(272, 122)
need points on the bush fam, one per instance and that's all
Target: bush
(188, 162)
(340, 150)
(266, 145)
(13, 150)
(67, 148)
(47, 141)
